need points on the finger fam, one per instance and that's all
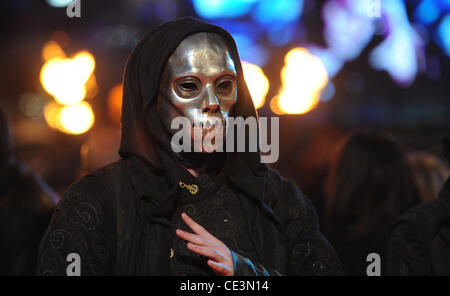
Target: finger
(207, 252)
(220, 268)
(197, 228)
(195, 238)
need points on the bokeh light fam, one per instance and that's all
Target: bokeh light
(250, 50)
(65, 78)
(276, 11)
(257, 83)
(76, 119)
(69, 81)
(91, 87)
(400, 51)
(303, 78)
(427, 11)
(31, 105)
(59, 3)
(211, 9)
(52, 50)
(115, 103)
(443, 34)
(51, 114)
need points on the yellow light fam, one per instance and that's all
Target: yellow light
(257, 83)
(274, 106)
(115, 103)
(76, 119)
(66, 79)
(303, 78)
(91, 87)
(84, 64)
(51, 114)
(52, 50)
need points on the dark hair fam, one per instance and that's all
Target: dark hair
(370, 184)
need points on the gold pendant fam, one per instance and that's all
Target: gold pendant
(193, 189)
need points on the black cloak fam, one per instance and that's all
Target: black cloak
(116, 217)
(419, 242)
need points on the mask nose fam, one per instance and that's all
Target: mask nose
(211, 103)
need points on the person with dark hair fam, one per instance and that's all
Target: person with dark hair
(369, 185)
(161, 212)
(419, 242)
(26, 206)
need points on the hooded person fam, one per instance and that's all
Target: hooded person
(26, 206)
(419, 241)
(160, 212)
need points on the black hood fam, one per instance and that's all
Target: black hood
(143, 133)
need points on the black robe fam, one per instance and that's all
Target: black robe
(117, 218)
(420, 240)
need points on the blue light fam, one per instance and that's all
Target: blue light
(247, 36)
(397, 55)
(59, 3)
(444, 4)
(427, 12)
(250, 51)
(249, 29)
(332, 64)
(328, 92)
(443, 34)
(279, 11)
(210, 9)
(281, 35)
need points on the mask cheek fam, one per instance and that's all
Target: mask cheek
(226, 104)
(190, 108)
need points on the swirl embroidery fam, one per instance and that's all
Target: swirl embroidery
(57, 238)
(83, 214)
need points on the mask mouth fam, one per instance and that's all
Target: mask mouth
(209, 124)
(208, 130)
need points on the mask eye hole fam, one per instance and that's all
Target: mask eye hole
(224, 85)
(187, 87)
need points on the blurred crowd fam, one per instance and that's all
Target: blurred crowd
(371, 183)
(377, 198)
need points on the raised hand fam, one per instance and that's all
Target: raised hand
(204, 243)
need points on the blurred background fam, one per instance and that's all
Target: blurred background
(325, 67)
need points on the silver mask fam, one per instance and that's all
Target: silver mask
(199, 81)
